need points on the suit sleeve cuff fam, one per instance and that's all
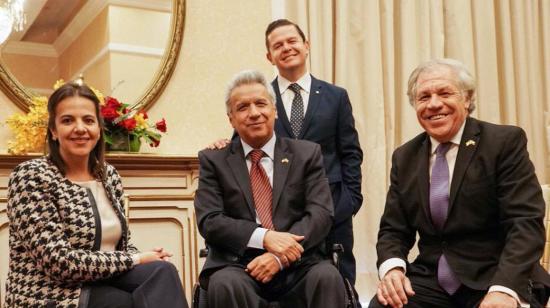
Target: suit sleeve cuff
(389, 264)
(257, 238)
(503, 289)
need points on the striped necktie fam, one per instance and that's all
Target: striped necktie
(261, 189)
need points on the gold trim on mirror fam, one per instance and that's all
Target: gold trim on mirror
(15, 91)
(170, 58)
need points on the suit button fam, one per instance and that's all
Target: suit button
(235, 259)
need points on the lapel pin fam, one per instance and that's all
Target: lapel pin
(316, 91)
(284, 160)
(470, 142)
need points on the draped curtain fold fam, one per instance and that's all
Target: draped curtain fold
(370, 47)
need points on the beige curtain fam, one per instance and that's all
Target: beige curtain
(371, 46)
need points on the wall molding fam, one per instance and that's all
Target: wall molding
(90, 11)
(30, 49)
(123, 161)
(119, 48)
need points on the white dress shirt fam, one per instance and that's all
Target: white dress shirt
(287, 95)
(451, 155)
(257, 238)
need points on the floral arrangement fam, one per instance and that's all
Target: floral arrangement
(29, 129)
(125, 126)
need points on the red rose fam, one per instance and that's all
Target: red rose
(161, 125)
(143, 114)
(154, 142)
(109, 114)
(128, 124)
(111, 102)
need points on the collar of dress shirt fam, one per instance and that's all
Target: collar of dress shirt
(268, 148)
(304, 82)
(455, 140)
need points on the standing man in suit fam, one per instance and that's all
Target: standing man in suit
(263, 206)
(314, 110)
(469, 190)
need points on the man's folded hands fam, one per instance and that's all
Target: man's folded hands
(286, 246)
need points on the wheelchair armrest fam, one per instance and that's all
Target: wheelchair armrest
(336, 252)
(338, 248)
(203, 253)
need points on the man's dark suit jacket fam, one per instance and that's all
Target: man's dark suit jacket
(224, 204)
(494, 233)
(329, 122)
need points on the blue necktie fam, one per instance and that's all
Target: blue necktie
(439, 206)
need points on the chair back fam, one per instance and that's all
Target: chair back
(546, 256)
(126, 203)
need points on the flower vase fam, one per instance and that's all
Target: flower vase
(134, 143)
(123, 142)
(119, 142)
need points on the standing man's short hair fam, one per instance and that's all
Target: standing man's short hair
(281, 23)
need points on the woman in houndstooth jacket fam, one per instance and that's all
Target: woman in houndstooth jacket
(68, 238)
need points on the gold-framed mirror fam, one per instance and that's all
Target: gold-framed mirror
(120, 46)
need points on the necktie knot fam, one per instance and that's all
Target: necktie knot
(295, 88)
(255, 155)
(443, 148)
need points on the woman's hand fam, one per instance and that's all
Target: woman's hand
(157, 254)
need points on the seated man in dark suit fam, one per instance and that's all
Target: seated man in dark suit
(264, 208)
(469, 190)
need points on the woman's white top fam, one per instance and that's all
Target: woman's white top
(111, 230)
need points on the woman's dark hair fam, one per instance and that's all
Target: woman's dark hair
(96, 160)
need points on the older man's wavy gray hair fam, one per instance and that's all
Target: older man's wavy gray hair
(466, 81)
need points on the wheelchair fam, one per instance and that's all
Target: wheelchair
(200, 296)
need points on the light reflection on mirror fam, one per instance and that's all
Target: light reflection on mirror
(118, 45)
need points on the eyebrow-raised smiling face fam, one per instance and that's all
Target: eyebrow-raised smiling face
(441, 106)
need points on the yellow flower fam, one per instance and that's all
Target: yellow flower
(30, 129)
(99, 95)
(58, 84)
(140, 121)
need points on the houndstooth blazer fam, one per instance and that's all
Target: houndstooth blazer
(55, 234)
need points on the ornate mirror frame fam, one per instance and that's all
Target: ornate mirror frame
(22, 98)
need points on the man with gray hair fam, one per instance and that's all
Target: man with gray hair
(264, 208)
(469, 190)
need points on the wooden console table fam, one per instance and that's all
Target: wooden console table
(161, 190)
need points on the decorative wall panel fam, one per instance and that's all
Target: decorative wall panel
(160, 190)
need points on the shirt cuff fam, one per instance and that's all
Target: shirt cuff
(389, 264)
(257, 238)
(278, 260)
(136, 259)
(503, 289)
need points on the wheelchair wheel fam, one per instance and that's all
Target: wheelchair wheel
(350, 295)
(199, 297)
